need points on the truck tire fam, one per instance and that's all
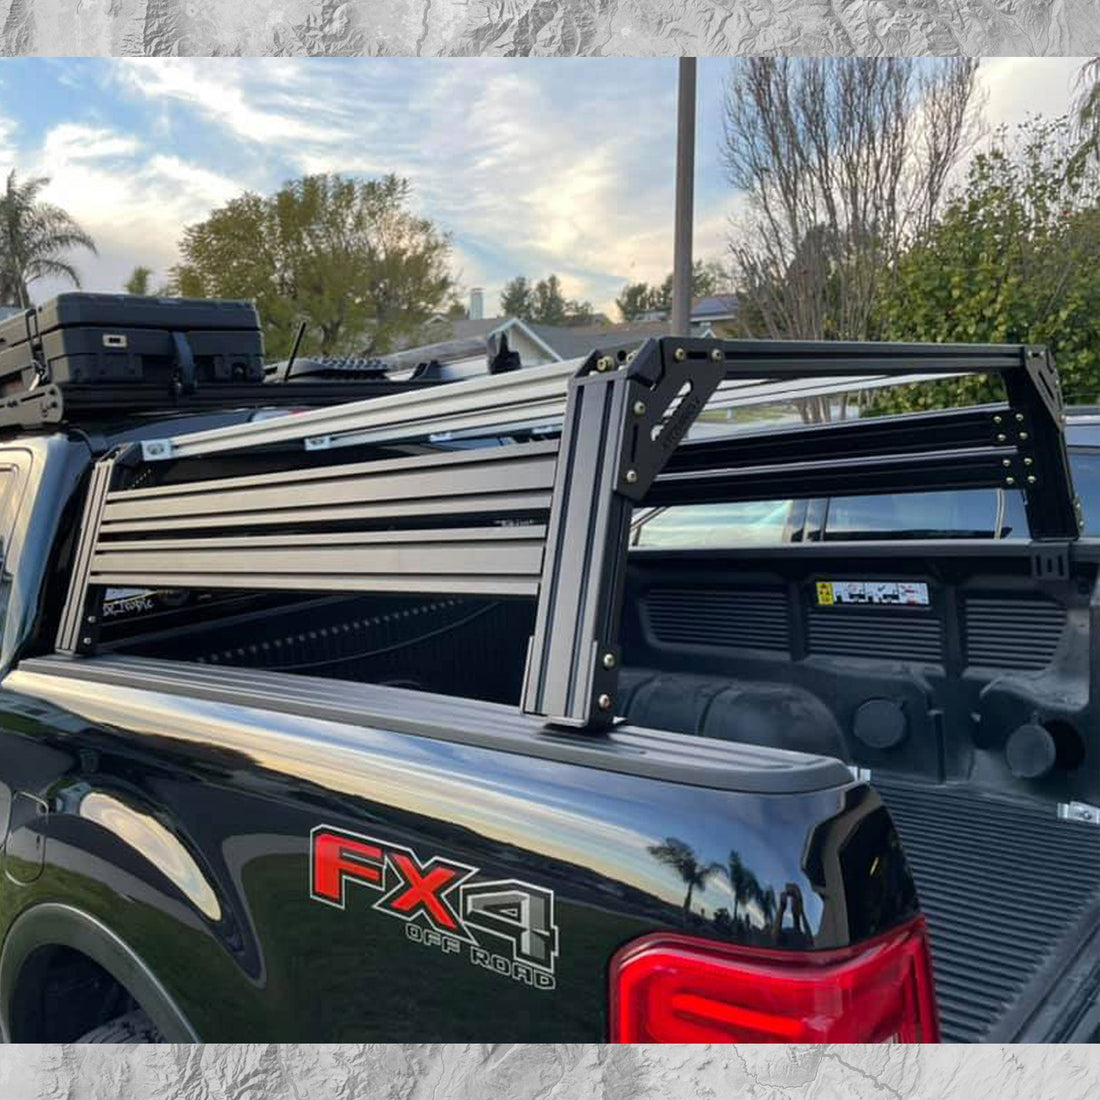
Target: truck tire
(133, 1027)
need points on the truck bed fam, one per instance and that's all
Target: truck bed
(1010, 892)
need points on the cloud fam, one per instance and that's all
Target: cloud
(8, 130)
(204, 189)
(1021, 86)
(217, 90)
(534, 165)
(535, 168)
(71, 142)
(132, 200)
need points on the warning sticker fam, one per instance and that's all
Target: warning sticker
(892, 593)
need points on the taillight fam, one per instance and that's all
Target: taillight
(678, 989)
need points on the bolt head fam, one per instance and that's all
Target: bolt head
(631, 476)
(86, 641)
(1010, 481)
(1019, 418)
(1001, 437)
(1006, 462)
(717, 355)
(1023, 435)
(1031, 479)
(1029, 461)
(608, 660)
(639, 408)
(998, 418)
(604, 363)
(604, 701)
(679, 355)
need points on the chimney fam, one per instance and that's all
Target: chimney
(477, 304)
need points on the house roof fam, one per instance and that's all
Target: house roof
(715, 305)
(472, 336)
(571, 342)
(462, 328)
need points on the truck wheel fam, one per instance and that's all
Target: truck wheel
(133, 1027)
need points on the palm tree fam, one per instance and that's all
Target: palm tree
(138, 283)
(738, 877)
(682, 859)
(768, 902)
(34, 238)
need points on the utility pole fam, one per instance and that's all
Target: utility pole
(685, 188)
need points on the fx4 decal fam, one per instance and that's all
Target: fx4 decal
(502, 925)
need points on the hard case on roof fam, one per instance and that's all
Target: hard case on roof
(106, 338)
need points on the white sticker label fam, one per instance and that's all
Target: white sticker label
(894, 593)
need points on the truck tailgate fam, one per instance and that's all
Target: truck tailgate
(1008, 889)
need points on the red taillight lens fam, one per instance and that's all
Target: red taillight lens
(678, 989)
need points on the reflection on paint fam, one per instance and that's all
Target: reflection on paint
(146, 835)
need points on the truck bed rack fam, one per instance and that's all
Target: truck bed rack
(547, 519)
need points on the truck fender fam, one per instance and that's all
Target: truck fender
(51, 924)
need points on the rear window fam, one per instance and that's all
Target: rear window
(972, 513)
(755, 523)
(969, 513)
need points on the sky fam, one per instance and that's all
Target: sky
(533, 165)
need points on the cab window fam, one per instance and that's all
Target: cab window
(756, 523)
(954, 514)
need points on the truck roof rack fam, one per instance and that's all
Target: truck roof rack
(82, 405)
(81, 358)
(548, 518)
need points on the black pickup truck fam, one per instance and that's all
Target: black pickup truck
(356, 707)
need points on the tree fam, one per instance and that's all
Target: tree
(344, 255)
(1014, 258)
(550, 306)
(544, 302)
(707, 277)
(138, 283)
(518, 299)
(35, 238)
(682, 859)
(768, 902)
(634, 301)
(841, 162)
(1088, 111)
(738, 876)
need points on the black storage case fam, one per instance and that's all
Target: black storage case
(162, 343)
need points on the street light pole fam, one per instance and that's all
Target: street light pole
(685, 187)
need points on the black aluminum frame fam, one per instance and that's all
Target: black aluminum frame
(552, 519)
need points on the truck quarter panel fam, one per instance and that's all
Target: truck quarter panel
(371, 883)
